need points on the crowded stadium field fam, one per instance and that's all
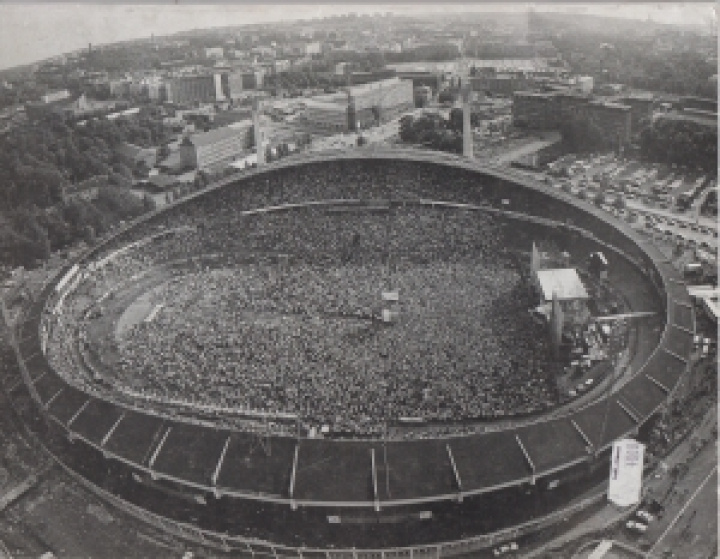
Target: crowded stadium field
(233, 361)
(301, 334)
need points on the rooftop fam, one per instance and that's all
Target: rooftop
(705, 120)
(565, 283)
(131, 151)
(323, 104)
(610, 105)
(217, 135)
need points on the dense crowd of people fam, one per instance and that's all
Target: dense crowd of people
(280, 312)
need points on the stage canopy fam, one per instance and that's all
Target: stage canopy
(565, 283)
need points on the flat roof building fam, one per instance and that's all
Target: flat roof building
(326, 115)
(536, 111)
(359, 106)
(189, 90)
(217, 148)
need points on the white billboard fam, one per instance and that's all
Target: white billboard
(626, 471)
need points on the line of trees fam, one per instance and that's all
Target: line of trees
(433, 131)
(682, 142)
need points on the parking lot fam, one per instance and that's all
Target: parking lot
(660, 200)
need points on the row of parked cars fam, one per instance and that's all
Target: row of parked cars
(645, 514)
(640, 521)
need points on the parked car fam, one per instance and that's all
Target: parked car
(505, 548)
(635, 526)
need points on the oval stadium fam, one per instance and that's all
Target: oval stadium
(354, 354)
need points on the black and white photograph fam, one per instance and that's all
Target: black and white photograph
(358, 280)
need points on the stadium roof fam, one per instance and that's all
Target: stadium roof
(701, 119)
(563, 282)
(344, 472)
(709, 295)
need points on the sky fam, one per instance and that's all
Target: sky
(35, 31)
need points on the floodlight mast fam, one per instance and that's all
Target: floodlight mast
(465, 94)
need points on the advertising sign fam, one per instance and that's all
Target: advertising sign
(626, 470)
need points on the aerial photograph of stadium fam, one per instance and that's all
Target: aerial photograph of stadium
(360, 281)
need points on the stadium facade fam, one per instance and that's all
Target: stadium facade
(334, 493)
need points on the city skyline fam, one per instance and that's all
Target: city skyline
(32, 33)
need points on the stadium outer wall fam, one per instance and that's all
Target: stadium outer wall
(666, 364)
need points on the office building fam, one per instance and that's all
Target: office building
(314, 47)
(326, 116)
(189, 90)
(360, 106)
(217, 148)
(214, 52)
(502, 83)
(535, 111)
(54, 96)
(378, 102)
(641, 110)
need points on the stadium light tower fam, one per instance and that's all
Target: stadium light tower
(465, 94)
(259, 147)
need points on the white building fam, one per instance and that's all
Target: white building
(313, 48)
(52, 96)
(214, 52)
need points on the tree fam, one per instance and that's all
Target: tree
(407, 129)
(619, 203)
(456, 120)
(149, 203)
(447, 96)
(599, 199)
(141, 170)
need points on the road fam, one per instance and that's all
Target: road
(688, 218)
(513, 154)
(690, 532)
(698, 487)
